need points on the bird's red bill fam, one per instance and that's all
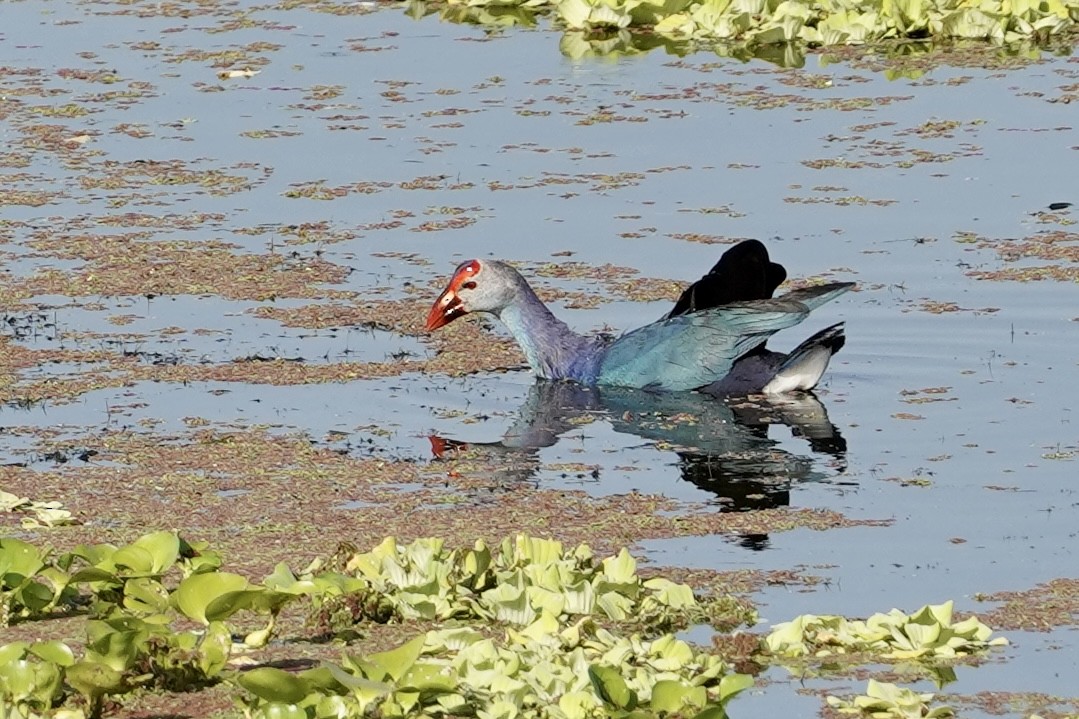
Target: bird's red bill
(446, 309)
(448, 306)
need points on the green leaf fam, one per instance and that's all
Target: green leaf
(13, 652)
(395, 663)
(198, 591)
(611, 687)
(18, 558)
(94, 679)
(274, 685)
(257, 599)
(214, 649)
(364, 690)
(282, 710)
(732, 684)
(145, 595)
(673, 696)
(151, 554)
(52, 651)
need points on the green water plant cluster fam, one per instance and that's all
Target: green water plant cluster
(160, 613)
(928, 633)
(517, 582)
(757, 23)
(888, 701)
(35, 513)
(155, 613)
(528, 628)
(544, 670)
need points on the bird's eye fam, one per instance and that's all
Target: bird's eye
(469, 285)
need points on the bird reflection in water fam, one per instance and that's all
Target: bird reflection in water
(723, 445)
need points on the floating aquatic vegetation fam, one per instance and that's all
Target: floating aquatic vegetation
(929, 633)
(517, 583)
(888, 701)
(582, 671)
(39, 514)
(597, 27)
(139, 634)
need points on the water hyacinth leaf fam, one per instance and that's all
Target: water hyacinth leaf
(621, 568)
(580, 598)
(136, 560)
(532, 550)
(33, 596)
(18, 680)
(651, 12)
(274, 685)
(428, 679)
(544, 629)
(669, 654)
(214, 649)
(150, 554)
(255, 599)
(713, 712)
(281, 710)
(613, 604)
(19, 560)
(365, 691)
(732, 684)
(13, 652)
(395, 663)
(197, 557)
(674, 595)
(611, 687)
(579, 705)
(94, 679)
(321, 679)
(908, 15)
(453, 639)
(282, 579)
(453, 704)
(974, 24)
(94, 574)
(510, 604)
(547, 601)
(930, 614)
(197, 592)
(258, 638)
(499, 709)
(116, 643)
(58, 579)
(51, 651)
(476, 564)
(145, 595)
(669, 695)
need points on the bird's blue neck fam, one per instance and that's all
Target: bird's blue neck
(550, 346)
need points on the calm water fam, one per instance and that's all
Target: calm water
(615, 161)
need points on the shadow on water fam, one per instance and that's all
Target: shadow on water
(723, 447)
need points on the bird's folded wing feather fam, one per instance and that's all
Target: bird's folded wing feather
(690, 351)
(816, 295)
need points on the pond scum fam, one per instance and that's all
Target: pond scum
(524, 629)
(765, 27)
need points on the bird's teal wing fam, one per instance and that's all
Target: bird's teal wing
(690, 351)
